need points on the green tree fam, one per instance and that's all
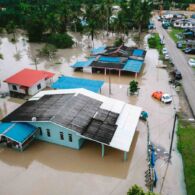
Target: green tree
(91, 16)
(136, 190)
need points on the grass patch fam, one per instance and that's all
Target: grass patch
(174, 32)
(155, 42)
(186, 146)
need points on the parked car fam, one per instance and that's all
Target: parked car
(162, 41)
(164, 50)
(179, 44)
(189, 50)
(177, 74)
(157, 95)
(166, 98)
(191, 62)
(167, 56)
(159, 18)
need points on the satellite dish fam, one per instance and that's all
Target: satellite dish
(34, 119)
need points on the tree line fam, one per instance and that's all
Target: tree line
(49, 20)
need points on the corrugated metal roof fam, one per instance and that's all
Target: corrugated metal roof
(28, 77)
(113, 122)
(66, 82)
(18, 132)
(82, 64)
(133, 65)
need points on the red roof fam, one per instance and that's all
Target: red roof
(28, 77)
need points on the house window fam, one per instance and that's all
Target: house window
(48, 133)
(14, 87)
(39, 86)
(61, 135)
(70, 137)
(40, 131)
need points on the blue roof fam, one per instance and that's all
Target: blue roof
(98, 50)
(133, 65)
(18, 132)
(138, 52)
(4, 126)
(66, 82)
(109, 59)
(81, 64)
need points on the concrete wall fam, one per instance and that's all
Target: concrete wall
(55, 130)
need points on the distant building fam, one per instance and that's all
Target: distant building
(191, 7)
(184, 23)
(69, 117)
(119, 60)
(28, 82)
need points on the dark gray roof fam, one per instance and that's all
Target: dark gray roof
(76, 112)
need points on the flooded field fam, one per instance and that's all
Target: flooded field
(50, 169)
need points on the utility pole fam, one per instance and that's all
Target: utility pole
(172, 137)
(170, 151)
(36, 63)
(109, 83)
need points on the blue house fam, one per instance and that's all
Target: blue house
(69, 117)
(56, 134)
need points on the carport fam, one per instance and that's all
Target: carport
(17, 135)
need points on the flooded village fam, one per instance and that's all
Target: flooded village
(82, 130)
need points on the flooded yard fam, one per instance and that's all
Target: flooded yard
(51, 169)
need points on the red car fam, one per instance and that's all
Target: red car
(157, 95)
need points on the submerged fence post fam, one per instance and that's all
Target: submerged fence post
(125, 156)
(103, 150)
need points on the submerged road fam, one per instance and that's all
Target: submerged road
(181, 63)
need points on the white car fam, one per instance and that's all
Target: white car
(164, 50)
(166, 98)
(167, 56)
(191, 62)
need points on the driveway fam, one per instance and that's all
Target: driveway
(180, 61)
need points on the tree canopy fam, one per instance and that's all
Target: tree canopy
(50, 19)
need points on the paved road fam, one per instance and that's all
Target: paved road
(180, 61)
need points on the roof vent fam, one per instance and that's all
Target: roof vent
(34, 119)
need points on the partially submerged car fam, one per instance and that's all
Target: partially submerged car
(163, 97)
(191, 62)
(164, 50)
(189, 50)
(176, 74)
(167, 56)
(179, 44)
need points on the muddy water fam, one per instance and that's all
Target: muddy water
(50, 169)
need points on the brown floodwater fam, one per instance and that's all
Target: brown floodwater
(45, 168)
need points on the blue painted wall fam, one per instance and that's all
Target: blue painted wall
(55, 130)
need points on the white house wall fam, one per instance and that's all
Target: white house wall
(18, 88)
(33, 90)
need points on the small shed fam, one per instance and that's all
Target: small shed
(28, 82)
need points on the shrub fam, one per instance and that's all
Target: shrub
(118, 42)
(1, 56)
(60, 40)
(48, 50)
(152, 42)
(10, 27)
(133, 86)
(136, 190)
(35, 30)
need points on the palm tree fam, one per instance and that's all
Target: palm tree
(142, 13)
(92, 18)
